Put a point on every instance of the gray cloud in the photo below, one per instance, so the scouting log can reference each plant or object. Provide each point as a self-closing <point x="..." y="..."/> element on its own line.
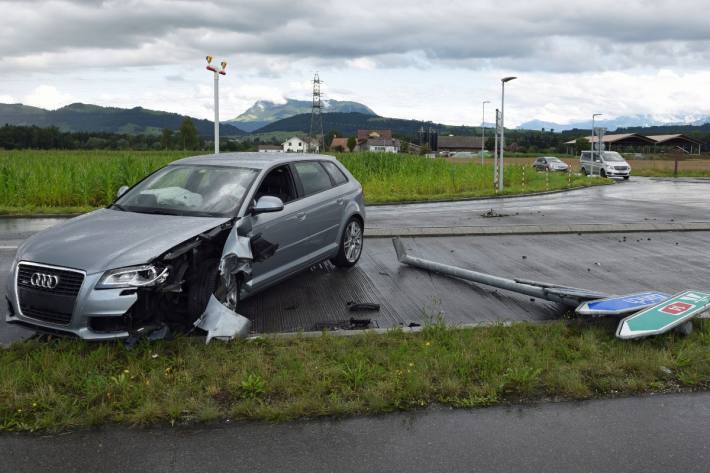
<point x="556" y="35"/>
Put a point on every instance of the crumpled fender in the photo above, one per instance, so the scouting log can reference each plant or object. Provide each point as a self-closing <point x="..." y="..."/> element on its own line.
<point x="218" y="320"/>
<point x="221" y="323"/>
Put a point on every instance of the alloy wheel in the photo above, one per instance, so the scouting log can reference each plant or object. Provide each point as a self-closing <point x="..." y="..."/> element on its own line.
<point x="353" y="241"/>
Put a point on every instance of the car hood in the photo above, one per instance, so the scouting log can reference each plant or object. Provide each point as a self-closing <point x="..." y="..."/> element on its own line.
<point x="108" y="239"/>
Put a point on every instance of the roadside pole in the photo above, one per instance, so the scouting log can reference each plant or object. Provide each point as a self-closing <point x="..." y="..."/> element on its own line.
<point x="591" y="164"/>
<point x="483" y="130"/>
<point x="501" y="165"/>
<point x="495" y="153"/>
<point x="217" y="73"/>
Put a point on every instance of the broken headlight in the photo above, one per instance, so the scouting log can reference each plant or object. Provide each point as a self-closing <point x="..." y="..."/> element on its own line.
<point x="133" y="276"/>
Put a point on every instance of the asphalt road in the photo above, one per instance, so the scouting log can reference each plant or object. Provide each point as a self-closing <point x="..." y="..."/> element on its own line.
<point x="669" y="261"/>
<point x="651" y="434"/>
<point x="633" y="201"/>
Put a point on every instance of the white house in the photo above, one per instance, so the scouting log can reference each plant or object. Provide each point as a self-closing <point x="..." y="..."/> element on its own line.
<point x="381" y="145"/>
<point x="297" y="145"/>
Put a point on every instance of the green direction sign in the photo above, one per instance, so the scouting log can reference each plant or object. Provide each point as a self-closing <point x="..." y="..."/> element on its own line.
<point x="664" y="316"/>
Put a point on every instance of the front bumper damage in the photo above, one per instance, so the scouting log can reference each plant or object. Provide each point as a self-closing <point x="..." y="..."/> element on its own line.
<point x="220" y="258"/>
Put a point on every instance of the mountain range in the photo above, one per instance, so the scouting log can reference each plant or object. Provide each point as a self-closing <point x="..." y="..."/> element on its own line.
<point x="291" y="116"/>
<point x="264" y="112"/>
<point x="86" y="117"/>
<point x="630" y="121"/>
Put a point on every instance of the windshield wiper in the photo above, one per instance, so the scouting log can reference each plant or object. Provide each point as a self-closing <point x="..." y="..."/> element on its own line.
<point x="118" y="207"/>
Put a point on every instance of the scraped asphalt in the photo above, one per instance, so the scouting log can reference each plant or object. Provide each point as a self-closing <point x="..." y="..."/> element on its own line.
<point x="614" y="263"/>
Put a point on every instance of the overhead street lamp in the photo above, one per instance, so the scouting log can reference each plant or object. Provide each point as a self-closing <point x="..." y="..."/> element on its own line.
<point x="217" y="73"/>
<point x="502" y="127"/>
<point x="594" y="116"/>
<point x="483" y="130"/>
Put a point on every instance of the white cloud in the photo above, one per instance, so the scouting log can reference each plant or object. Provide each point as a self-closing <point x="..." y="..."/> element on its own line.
<point x="429" y="62"/>
<point x="47" y="96"/>
<point x="7" y="98"/>
<point x="364" y="63"/>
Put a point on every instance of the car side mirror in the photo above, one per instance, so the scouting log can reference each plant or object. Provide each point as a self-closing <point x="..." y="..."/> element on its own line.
<point x="266" y="204"/>
<point x="121" y="190"/>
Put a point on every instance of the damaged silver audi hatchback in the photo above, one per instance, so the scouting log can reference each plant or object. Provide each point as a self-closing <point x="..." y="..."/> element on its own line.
<point x="186" y="244"/>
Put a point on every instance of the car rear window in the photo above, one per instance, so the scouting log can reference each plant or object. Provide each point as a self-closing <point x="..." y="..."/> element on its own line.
<point x="313" y="177"/>
<point x="335" y="173"/>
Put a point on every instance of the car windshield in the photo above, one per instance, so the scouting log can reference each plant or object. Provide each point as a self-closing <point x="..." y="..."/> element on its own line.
<point x="191" y="190"/>
<point x="612" y="156"/>
<point x="553" y="160"/>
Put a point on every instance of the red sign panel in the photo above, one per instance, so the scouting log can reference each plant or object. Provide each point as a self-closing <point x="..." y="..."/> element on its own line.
<point x="677" y="308"/>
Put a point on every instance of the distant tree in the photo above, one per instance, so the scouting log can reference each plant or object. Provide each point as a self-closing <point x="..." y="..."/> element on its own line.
<point x="188" y="134"/>
<point x="425" y="149"/>
<point x="352" y="142"/>
<point x="166" y="138"/>
<point x="404" y="147"/>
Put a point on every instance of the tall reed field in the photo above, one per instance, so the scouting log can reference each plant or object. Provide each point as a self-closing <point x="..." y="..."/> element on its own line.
<point x="72" y="180"/>
<point x="77" y="181"/>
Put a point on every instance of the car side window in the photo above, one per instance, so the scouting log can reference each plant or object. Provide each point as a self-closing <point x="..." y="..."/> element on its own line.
<point x="313" y="177"/>
<point x="278" y="183"/>
<point x="335" y="173"/>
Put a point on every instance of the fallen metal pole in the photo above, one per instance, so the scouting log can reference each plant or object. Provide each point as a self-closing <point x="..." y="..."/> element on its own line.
<point x="570" y="296"/>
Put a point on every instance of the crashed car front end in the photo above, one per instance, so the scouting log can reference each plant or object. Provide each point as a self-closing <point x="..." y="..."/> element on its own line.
<point x="121" y="302"/>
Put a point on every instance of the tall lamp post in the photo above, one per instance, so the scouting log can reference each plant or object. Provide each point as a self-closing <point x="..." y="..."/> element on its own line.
<point x="483" y="130"/>
<point x="217" y="73"/>
<point x="594" y="116"/>
<point x="502" y="128"/>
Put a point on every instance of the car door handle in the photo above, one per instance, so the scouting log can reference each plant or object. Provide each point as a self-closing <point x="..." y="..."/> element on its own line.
<point x="340" y="201"/>
<point x="301" y="216"/>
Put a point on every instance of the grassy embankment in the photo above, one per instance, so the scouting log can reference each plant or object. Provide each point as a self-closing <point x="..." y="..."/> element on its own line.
<point x="66" y="384"/>
<point x="78" y="181"/>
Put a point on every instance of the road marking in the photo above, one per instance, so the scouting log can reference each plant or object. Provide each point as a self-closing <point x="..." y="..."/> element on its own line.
<point x="8" y="247"/>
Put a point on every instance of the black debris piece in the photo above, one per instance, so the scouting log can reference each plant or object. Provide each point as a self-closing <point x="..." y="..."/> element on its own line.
<point x="363" y="306"/>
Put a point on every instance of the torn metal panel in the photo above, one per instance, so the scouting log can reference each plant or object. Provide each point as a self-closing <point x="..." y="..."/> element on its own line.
<point x="236" y="256"/>
<point x="221" y="323"/>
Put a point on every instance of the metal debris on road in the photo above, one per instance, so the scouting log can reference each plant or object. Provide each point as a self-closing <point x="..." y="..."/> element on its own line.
<point x="570" y="296"/>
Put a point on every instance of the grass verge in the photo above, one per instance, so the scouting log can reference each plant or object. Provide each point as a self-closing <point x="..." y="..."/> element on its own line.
<point x="65" y="384"/>
<point x="57" y="181"/>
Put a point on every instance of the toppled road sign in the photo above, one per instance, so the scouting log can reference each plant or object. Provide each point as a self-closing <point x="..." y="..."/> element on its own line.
<point x="619" y="305"/>
<point x="665" y="316"/>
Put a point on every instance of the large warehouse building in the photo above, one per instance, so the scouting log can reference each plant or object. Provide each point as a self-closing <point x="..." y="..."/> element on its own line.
<point x="645" y="144"/>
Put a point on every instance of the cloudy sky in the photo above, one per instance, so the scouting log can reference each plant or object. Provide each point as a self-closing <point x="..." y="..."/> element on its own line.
<point x="403" y="58"/>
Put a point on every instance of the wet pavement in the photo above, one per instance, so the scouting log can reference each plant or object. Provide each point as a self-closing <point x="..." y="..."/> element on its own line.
<point x="635" y="201"/>
<point x="647" y="434"/>
<point x="612" y="263"/>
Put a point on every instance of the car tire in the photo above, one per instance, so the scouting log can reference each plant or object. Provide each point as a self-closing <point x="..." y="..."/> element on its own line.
<point x="626" y="178"/>
<point x="348" y="255"/>
<point x="203" y="285"/>
<point x="602" y="173"/>
<point x="584" y="171"/>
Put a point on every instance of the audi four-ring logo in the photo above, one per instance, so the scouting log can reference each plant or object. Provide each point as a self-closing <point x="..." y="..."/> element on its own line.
<point x="46" y="281"/>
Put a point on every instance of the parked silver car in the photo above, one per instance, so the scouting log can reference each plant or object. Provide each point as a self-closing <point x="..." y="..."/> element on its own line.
<point x="550" y="163"/>
<point x="200" y="230"/>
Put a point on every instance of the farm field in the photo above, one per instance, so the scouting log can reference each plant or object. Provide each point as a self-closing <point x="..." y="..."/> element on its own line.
<point x="78" y="181"/>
